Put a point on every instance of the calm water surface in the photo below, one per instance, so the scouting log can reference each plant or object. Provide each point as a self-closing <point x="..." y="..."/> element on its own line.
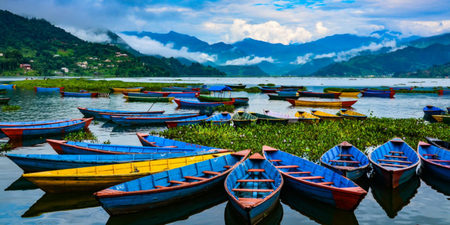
<point x="420" y="201"/>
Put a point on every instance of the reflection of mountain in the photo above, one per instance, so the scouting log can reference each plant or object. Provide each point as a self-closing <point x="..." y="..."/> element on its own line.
<point x="171" y="213"/>
<point x="434" y="182"/>
<point x="21" y="184"/>
<point x="232" y="217"/>
<point x="317" y="211"/>
<point x="393" y="200"/>
<point x="60" y="202"/>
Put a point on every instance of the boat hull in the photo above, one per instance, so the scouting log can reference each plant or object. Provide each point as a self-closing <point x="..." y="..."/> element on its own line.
<point x="148" y="99"/>
<point x="343" y="104"/>
<point x="129" y="121"/>
<point x="139" y="89"/>
<point x="347" y="94"/>
<point x="255" y="215"/>
<point x="319" y="95"/>
<point x="393" y="178"/>
<point x="46" y="89"/>
<point x="79" y="94"/>
<point x="191" y="104"/>
<point x="106" y="114"/>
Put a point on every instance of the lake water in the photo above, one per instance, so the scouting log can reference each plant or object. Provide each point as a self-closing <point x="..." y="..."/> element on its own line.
<point x="417" y="202"/>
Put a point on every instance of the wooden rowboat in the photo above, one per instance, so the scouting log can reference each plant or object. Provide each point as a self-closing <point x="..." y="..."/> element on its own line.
<point x="102" y="113"/>
<point x="154" y="141"/>
<point x="319" y="94"/>
<point x="83" y="148"/>
<point x="326" y="116"/>
<point x="347" y="94"/>
<point x="48" y="89"/>
<point x="95" y="178"/>
<point x="434" y="160"/>
<point x="438" y="143"/>
<point x="291" y="119"/>
<point x="168" y="187"/>
<point x="4" y="100"/>
<point x="176" y="94"/>
<point x="135" y="89"/>
<point x="242" y="118"/>
<point x="197" y="104"/>
<point x="379" y="94"/>
<point x="261" y="118"/>
<point x="149" y="119"/>
<point x="315" y="181"/>
<point x="254" y="187"/>
<point x="47" y="129"/>
<point x="281" y="97"/>
<point x="8" y="86"/>
<point x="218" y="119"/>
<point x="394" y="162"/>
<point x="350" y="114"/>
<point x="307" y="117"/>
<point x="148" y="99"/>
<point x="79" y="94"/>
<point x="346" y="160"/>
<point x="236" y="86"/>
<point x="341" y="104"/>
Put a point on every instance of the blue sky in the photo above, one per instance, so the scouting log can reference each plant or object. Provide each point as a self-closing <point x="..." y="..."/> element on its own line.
<point x="285" y="21"/>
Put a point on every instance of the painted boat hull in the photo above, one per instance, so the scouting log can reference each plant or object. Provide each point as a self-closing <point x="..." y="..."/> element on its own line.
<point x="347" y="94"/>
<point x="148" y="99"/>
<point x="191" y="104"/>
<point x="428" y="154"/>
<point x="104" y="113"/>
<point x="153" y="141"/>
<point x="319" y="95"/>
<point x="78" y="94"/>
<point x="7" y="86"/>
<point x="342" y="104"/>
<point x="46" y="89"/>
<point x="138" y="89"/>
<point x="378" y="94"/>
<point x="129" y="121"/>
<point x="254" y="215"/>
<point x="278" y="97"/>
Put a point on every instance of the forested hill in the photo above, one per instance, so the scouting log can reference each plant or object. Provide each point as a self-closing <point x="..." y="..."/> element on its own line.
<point x="50" y="50"/>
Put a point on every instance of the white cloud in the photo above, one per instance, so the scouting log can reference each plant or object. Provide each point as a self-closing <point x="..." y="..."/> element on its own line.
<point x="303" y="59"/>
<point x="147" y="46"/>
<point x="88" y="35"/>
<point x="164" y="9"/>
<point x="423" y="28"/>
<point x="320" y="29"/>
<point x="327" y="55"/>
<point x="248" y="60"/>
<point x="346" y="55"/>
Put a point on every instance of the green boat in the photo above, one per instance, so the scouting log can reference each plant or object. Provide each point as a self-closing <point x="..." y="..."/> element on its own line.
<point x="268" y="119"/>
<point x="281" y="97"/>
<point x="237" y="100"/>
<point x="4" y="100"/>
<point x="242" y="118"/>
<point x="148" y="99"/>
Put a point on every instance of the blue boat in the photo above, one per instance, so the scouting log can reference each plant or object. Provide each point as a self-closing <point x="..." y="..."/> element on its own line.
<point x="8" y="86"/>
<point x="146" y="120"/>
<point x="84" y="148"/>
<point x="182" y="89"/>
<point x="48" y="89"/>
<point x="154" y="141"/>
<point x="198" y="104"/>
<point x="79" y="94"/>
<point x="30" y="123"/>
<point x="142" y="94"/>
<point x="435" y="160"/>
<point x="168" y="187"/>
<point x="432" y="110"/>
<point x="241" y="101"/>
<point x="315" y="181"/>
<point x="106" y="113"/>
<point x="346" y="160"/>
<point x="47" y="129"/>
<point x="175" y="94"/>
<point x="218" y="119"/>
<point x="254" y="187"/>
<point x="379" y="94"/>
<point x="394" y="162"/>
<point x="39" y="162"/>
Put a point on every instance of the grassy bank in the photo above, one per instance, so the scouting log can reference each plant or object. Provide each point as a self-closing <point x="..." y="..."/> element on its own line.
<point x="310" y="140"/>
<point x="76" y="84"/>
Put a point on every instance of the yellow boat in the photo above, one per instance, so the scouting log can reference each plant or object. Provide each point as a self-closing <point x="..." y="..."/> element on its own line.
<point x="346" y="94"/>
<point x="342" y="104"/>
<point x="96" y="178"/>
<point x="305" y="116"/>
<point x="349" y="114"/>
<point x="326" y="116"/>
<point x="439" y="118"/>
<point x="137" y="89"/>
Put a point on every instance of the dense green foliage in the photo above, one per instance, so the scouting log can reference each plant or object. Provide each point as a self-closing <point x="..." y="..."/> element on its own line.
<point x="7" y="108"/>
<point x="242" y="70"/>
<point x="93" y="85"/>
<point x="434" y="71"/>
<point x="48" y="49"/>
<point x="310" y="140"/>
<point x="81" y="136"/>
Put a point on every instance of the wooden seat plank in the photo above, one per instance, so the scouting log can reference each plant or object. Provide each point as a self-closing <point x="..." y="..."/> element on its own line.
<point x="396" y="152"/>
<point x="210" y="172"/>
<point x="345" y="155"/>
<point x="397" y="161"/>
<point x="255" y="180"/>
<point x="396" y="156"/>
<point x="287" y="167"/>
<point x="195" y="178"/>
<point x="227" y="166"/>
<point x="311" y="178"/>
<point x="344" y="161"/>
<point x="275" y="160"/>
<point x="250" y="200"/>
<point x="256" y="170"/>
<point x="393" y="165"/>
<point x="251" y="190"/>
<point x="298" y="172"/>
<point x="326" y="183"/>
<point x="177" y="182"/>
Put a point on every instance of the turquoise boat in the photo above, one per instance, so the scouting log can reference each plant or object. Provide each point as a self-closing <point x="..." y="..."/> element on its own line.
<point x="154" y="141"/>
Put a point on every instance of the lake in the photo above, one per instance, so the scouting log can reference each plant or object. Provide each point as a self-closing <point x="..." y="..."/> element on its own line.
<point x="420" y="201"/>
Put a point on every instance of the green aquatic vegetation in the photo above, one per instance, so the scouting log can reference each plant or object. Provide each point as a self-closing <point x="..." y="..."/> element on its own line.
<point x="81" y="136"/>
<point x="6" y="147"/>
<point x="9" y="108"/>
<point x="310" y="140"/>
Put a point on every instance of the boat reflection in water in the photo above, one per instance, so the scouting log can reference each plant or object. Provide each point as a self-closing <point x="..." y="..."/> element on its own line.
<point x="232" y="217"/>
<point x="434" y="182"/>
<point x="21" y="184"/>
<point x="61" y="202"/>
<point x="315" y="210"/>
<point x="178" y="211"/>
<point x="393" y="200"/>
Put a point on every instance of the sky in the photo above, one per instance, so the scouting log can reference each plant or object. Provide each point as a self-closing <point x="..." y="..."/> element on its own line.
<point x="285" y="21"/>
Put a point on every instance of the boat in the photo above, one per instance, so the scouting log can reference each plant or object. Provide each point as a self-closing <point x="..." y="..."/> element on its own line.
<point x="4" y="100"/>
<point x="8" y="86"/>
<point x="254" y="188"/>
<point x="48" y="89"/>
<point x="292" y="87"/>
<point x="154" y="141"/>
<point x="380" y="94"/>
<point x="28" y="123"/>
<point x="346" y="160"/>
<point x="281" y="97"/>
<point x="219" y="119"/>
<point x="79" y="94"/>
<point x="269" y="89"/>
<point x="132" y="89"/>
<point x="84" y="148"/>
<point x="432" y="110"/>
<point x="341" y="104"/>
<point x="326" y="116"/>
<point x="434" y="182"/>
<point x="236" y="86"/>
<point x="153" y="119"/>
<point x="242" y="118"/>
<point x="148" y="99"/>
<point x="315" y="181"/>
<point x="261" y="118"/>
<point x="187" y="121"/>
<point x="318" y="94"/>
<point x="44" y="162"/>
<point x="233" y="217"/>
<point x="353" y="94"/>
<point x="350" y="114"/>
<point x="241" y="101"/>
<point x="306" y="117"/>
<point x="438" y="143"/>
<point x="439" y="118"/>
<point x="198" y="104"/>
<point x="176" y="94"/>
<point x="180" y="89"/>
<point x="47" y="129"/>
<point x="394" y="162"/>
<point x="168" y="187"/>
<point x="95" y="178"/>
<point x="139" y="94"/>
<point x="237" y="100"/>
<point x="103" y="113"/>
<point x="443" y="92"/>
<point x="290" y="119"/>
<point x="434" y="160"/>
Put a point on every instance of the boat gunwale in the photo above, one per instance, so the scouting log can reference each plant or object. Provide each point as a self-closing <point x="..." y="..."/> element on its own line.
<point x="83" y="120"/>
<point x="421" y="143"/>
<point x="393" y="170"/>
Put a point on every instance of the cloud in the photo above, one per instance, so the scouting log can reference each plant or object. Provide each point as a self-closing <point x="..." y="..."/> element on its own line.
<point x="88" y="35"/>
<point x="147" y="46"/>
<point x="320" y="29"/>
<point x="328" y="55"/>
<point x="248" y="61"/>
<point x="303" y="59"/>
<point x="346" y="55"/>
